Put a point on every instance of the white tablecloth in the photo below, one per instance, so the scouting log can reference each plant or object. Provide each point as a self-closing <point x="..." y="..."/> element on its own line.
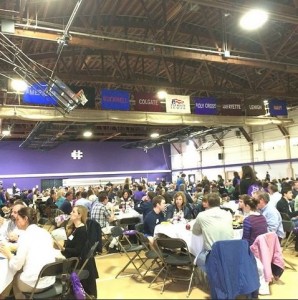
<point x="6" y="274"/>
<point x="131" y="213"/>
<point x="194" y="242"/>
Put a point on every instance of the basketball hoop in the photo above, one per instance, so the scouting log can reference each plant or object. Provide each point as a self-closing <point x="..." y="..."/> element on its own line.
<point x="81" y="98"/>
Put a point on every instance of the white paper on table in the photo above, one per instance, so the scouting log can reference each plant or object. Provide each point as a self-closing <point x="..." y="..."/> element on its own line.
<point x="59" y="234"/>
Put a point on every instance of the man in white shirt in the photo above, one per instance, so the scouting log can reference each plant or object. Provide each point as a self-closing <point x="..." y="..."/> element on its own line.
<point x="274" y="194"/>
<point x="215" y="224"/>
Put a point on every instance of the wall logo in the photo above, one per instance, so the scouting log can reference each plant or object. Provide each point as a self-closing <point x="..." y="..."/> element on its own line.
<point x="76" y="154"/>
<point x="178" y="104"/>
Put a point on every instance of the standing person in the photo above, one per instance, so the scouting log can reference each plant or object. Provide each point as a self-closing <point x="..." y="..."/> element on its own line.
<point x="155" y="216"/>
<point x="236" y="179"/>
<point x="215" y="224"/>
<point x="35" y="250"/>
<point x="248" y="180"/>
<point x="255" y="223"/>
<point x="180" y="180"/>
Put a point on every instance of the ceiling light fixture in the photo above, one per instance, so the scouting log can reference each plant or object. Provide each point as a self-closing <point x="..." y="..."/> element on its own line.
<point x="154" y="135"/>
<point x="253" y="19"/>
<point x="6" y="132"/>
<point x="87" y="133"/>
<point x="162" y="94"/>
<point x="19" y="85"/>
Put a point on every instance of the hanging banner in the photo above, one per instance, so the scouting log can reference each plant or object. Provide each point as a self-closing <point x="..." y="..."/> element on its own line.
<point x="35" y="94"/>
<point x="205" y="106"/>
<point x="178" y="104"/>
<point x="231" y="107"/>
<point x="254" y="108"/>
<point x="115" y="100"/>
<point x="147" y="102"/>
<point x="277" y="107"/>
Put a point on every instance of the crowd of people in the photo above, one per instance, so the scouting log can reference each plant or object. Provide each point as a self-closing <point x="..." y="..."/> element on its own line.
<point x="262" y="205"/>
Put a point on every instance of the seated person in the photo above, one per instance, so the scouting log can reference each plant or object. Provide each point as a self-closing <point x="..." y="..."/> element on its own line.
<point x="145" y="206"/>
<point x="154" y="217"/>
<point x="286" y="210"/>
<point x="9" y="229"/>
<point x="179" y="207"/>
<point x="76" y="232"/>
<point x="255" y="223"/>
<point x="78" y="245"/>
<point x="215" y="224"/>
<point x="35" y="250"/>
<point x="103" y="217"/>
<point x="240" y="213"/>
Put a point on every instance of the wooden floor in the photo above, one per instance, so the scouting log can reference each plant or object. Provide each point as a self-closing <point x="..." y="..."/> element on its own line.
<point x="132" y="287"/>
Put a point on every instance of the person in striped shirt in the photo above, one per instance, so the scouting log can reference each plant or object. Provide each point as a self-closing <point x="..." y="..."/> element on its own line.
<point x="255" y="223"/>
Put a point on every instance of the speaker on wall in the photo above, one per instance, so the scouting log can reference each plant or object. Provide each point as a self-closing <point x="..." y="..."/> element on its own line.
<point x="220" y="156"/>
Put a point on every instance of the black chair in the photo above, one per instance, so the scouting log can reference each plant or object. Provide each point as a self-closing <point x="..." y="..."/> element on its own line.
<point x="150" y="253"/>
<point x="139" y="227"/>
<point x="288" y="227"/>
<point x="62" y="270"/>
<point x="88" y="272"/>
<point x="126" y="222"/>
<point x="125" y="246"/>
<point x="175" y="258"/>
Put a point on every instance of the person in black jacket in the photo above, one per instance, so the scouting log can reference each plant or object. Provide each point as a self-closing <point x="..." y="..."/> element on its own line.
<point x="286" y="211"/>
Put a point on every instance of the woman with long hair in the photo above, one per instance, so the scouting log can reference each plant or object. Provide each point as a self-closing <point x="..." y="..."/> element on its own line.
<point x="35" y="250"/>
<point x="76" y="232"/>
<point x="248" y="179"/>
<point x="179" y="207"/>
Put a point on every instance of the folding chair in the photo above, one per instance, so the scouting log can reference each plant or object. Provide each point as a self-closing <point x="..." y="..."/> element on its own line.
<point x="174" y="254"/>
<point x="119" y="233"/>
<point x="139" y="227"/>
<point x="62" y="270"/>
<point x="288" y="227"/>
<point x="85" y="271"/>
<point x="150" y="253"/>
<point x="125" y="222"/>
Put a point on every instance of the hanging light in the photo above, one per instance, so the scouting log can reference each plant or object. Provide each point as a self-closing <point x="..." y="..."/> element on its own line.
<point x="253" y="19"/>
<point x="6" y="132"/>
<point x="19" y="85"/>
<point x="154" y="135"/>
<point x="87" y="133"/>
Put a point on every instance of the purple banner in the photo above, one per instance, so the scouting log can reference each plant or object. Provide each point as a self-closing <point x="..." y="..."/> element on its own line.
<point x="115" y="99"/>
<point x="278" y="107"/>
<point x="205" y="106"/>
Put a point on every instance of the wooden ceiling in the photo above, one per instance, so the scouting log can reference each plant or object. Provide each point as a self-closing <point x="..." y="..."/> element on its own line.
<point x="185" y="47"/>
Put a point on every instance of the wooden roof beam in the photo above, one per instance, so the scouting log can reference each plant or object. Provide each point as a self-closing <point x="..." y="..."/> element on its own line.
<point x="107" y="43"/>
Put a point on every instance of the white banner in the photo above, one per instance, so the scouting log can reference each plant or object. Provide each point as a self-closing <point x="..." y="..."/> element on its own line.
<point x="178" y="104"/>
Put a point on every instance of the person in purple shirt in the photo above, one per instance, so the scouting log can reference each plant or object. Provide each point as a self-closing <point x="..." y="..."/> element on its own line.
<point x="255" y="223"/>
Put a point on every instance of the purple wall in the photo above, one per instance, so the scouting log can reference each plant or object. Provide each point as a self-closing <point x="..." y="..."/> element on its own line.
<point x="97" y="157"/>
